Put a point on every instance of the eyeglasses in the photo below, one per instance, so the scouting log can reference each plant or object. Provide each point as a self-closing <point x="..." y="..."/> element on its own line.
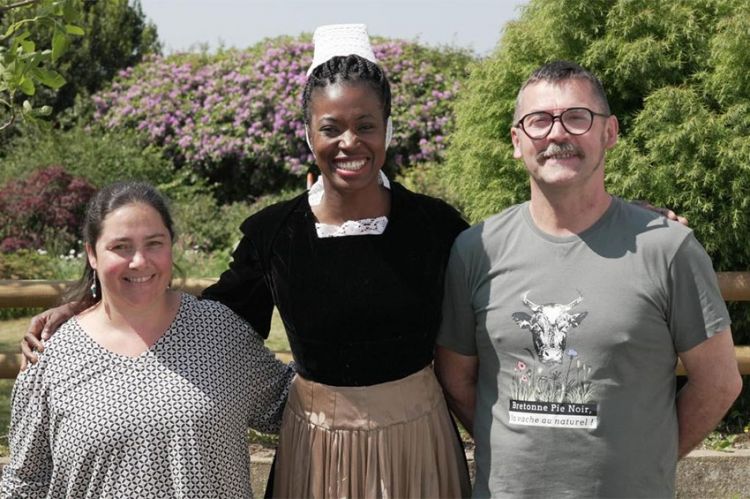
<point x="575" y="121"/>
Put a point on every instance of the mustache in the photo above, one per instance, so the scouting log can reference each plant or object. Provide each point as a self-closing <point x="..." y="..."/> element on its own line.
<point x="561" y="148"/>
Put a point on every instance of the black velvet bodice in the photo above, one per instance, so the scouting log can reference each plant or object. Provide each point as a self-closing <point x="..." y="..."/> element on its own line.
<point x="358" y="310"/>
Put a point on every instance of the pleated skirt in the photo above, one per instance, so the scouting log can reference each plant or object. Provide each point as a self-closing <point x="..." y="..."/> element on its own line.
<point x="389" y="440"/>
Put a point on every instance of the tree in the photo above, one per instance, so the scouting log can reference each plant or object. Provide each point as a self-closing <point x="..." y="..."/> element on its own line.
<point x="118" y="36"/>
<point x="23" y="65"/>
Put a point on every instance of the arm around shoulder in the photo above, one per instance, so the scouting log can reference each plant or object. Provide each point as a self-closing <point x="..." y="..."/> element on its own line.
<point x="714" y="382"/>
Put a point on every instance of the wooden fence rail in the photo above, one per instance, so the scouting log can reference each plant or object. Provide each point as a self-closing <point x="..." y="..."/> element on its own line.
<point x="735" y="286"/>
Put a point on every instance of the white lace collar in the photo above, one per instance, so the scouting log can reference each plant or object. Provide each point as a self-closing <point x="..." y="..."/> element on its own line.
<point x="371" y="226"/>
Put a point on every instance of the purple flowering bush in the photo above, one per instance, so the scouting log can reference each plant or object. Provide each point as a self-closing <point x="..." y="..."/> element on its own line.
<point x="235" y="118"/>
<point x="43" y="209"/>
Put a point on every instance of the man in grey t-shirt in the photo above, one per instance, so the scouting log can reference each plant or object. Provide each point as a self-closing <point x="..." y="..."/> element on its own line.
<point x="564" y="318"/>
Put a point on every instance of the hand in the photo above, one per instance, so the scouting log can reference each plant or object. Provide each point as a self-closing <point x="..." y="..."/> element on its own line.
<point x="665" y="212"/>
<point x="42" y="327"/>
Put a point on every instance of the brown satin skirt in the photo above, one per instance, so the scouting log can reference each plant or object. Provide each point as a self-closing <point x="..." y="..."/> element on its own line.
<point x="389" y="440"/>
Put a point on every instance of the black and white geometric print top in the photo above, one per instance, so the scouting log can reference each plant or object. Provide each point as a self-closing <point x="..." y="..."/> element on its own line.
<point x="172" y="422"/>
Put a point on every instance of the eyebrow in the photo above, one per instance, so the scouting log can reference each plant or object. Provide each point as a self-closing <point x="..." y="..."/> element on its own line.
<point x="158" y="235"/>
<point x="360" y="117"/>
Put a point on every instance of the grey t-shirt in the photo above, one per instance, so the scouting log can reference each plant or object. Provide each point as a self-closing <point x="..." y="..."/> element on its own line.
<point x="577" y="339"/>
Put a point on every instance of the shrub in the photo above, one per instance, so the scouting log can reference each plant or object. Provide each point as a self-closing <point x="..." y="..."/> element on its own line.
<point x="200" y="224"/>
<point x="27" y="264"/>
<point x="204" y="225"/>
<point x="236" y="119"/>
<point x="45" y="208"/>
<point x="31" y="264"/>
<point x="99" y="157"/>
<point x="429" y="179"/>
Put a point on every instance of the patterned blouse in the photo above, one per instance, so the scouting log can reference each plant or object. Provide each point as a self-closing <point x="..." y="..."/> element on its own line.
<point x="172" y="422"/>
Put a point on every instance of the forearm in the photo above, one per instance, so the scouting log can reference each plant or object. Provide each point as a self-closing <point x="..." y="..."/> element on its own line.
<point x="714" y="383"/>
<point x="461" y="402"/>
<point x="458" y="376"/>
<point x="699" y="409"/>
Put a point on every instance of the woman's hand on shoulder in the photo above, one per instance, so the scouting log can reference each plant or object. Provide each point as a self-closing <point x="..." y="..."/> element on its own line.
<point x="665" y="212"/>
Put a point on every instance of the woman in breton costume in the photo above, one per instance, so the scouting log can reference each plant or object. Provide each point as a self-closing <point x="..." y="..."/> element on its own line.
<point x="355" y="267"/>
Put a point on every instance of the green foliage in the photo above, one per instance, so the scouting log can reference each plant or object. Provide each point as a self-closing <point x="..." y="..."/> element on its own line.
<point x="34" y="37"/>
<point x="117" y="36"/>
<point x="100" y="157"/>
<point x="26" y="264"/>
<point x="205" y="226"/>
<point x="428" y="179"/>
<point x="636" y="47"/>
<point x="6" y="388"/>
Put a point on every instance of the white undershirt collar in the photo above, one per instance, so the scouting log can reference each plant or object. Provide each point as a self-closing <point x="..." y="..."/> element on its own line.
<point x="365" y="226"/>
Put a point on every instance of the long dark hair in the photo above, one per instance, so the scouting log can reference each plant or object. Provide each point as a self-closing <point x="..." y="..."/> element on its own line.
<point x="107" y="200"/>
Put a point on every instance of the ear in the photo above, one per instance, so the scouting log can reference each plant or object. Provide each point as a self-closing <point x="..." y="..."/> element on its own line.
<point x="90" y="255"/>
<point x="576" y="319"/>
<point x="611" y="132"/>
<point x="515" y="138"/>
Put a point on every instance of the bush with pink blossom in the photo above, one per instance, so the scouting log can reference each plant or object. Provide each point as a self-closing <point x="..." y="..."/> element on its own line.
<point x="43" y="211"/>
<point x="235" y="118"/>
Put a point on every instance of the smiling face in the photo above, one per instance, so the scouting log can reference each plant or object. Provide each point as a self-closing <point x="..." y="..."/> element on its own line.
<point x="133" y="257"/>
<point x="562" y="160"/>
<point x="347" y="133"/>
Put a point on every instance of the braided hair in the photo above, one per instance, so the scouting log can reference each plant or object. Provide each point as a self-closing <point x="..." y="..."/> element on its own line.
<point x="352" y="69"/>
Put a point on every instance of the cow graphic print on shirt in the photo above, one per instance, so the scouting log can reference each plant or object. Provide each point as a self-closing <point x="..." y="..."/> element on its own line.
<point x="553" y="387"/>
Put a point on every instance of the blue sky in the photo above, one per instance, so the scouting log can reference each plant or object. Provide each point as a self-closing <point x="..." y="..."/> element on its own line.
<point x="472" y="24"/>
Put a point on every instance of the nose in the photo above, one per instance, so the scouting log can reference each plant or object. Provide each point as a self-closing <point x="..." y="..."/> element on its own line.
<point x="557" y="129"/>
<point x="348" y="139"/>
<point x="137" y="260"/>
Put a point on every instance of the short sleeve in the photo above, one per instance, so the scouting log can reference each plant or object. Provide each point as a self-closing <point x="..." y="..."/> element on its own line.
<point x="696" y="310"/>
<point x="29" y="471"/>
<point x="270" y="387"/>
<point x="458" y="327"/>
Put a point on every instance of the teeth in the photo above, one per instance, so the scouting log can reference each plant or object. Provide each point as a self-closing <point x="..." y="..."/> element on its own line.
<point x="139" y="279"/>
<point x="350" y="165"/>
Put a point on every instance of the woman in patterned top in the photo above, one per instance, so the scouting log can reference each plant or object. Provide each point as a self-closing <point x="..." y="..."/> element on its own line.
<point x="148" y="392"/>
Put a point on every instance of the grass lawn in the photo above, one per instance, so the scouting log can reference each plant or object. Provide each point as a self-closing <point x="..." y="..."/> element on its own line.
<point x="12" y="331"/>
